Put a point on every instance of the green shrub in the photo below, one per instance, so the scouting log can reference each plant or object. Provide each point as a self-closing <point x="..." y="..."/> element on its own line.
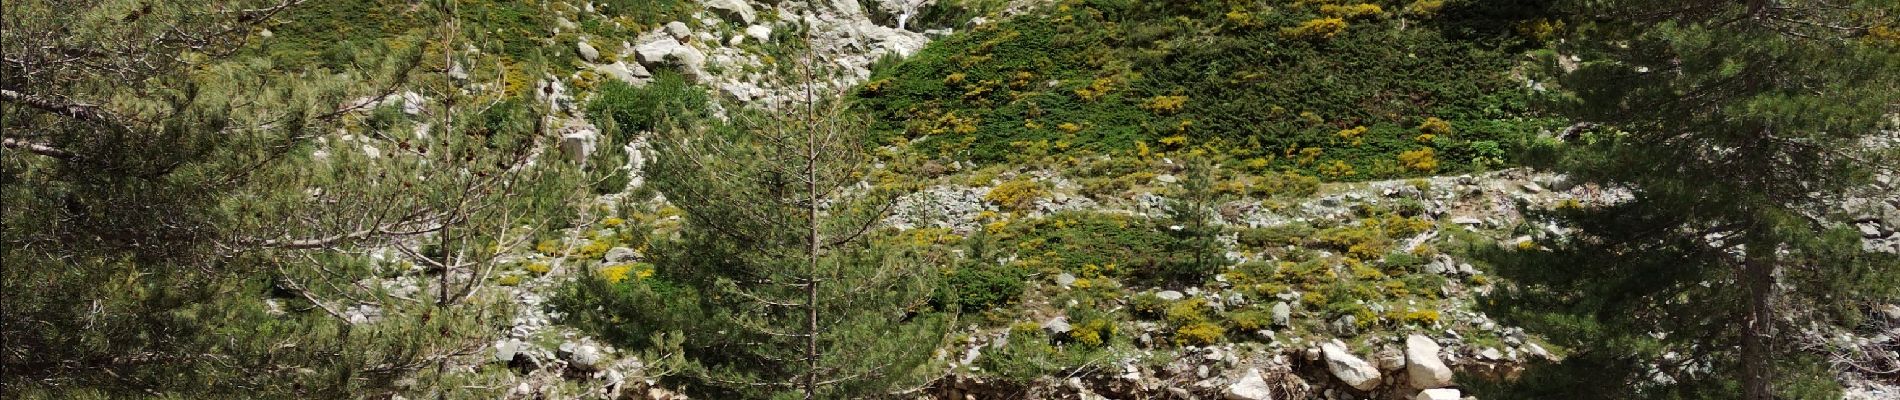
<point x="1251" y="319"/>
<point x="623" y="110"/>
<point x="981" y="286"/>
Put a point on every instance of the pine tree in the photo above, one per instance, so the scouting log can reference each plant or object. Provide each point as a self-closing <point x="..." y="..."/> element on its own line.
<point x="776" y="280"/>
<point x="1737" y="126"/>
<point x="1198" y="254"/>
<point x="183" y="217"/>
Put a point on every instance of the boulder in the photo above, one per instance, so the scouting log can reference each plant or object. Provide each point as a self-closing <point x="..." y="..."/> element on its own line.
<point x="760" y="33"/>
<point x="1057" y="325"/>
<point x="587" y="51"/>
<point x="578" y="144"/>
<point x="1390" y="359"/>
<point x="585" y="358"/>
<point x="620" y="254"/>
<point x="1422" y="365"/>
<point x="505" y="349"/>
<point x="1282" y="314"/>
<point x="1439" y="394"/>
<point x="658" y="52"/>
<point x="679" y="31"/>
<point x="1250" y="387"/>
<point x="735" y="11"/>
<point x="1349" y="368"/>
<point x="631" y="74"/>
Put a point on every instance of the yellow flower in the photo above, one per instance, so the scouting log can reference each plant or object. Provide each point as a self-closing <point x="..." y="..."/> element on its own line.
<point x="615" y="273"/>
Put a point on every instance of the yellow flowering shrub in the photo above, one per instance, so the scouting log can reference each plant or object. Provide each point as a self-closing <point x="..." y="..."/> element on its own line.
<point x="1319" y="28"/>
<point x="1434" y="126"/>
<point x="1018" y="195"/>
<point x="1165" y="104"/>
<point x="549" y="247"/>
<point x="615" y="273"/>
<point x="1093" y="333"/>
<point x="1355" y="135"/>
<point x="593" y="250"/>
<point x="1422" y="160"/>
<point x="1096" y="89"/>
<point x="1884" y="33"/>
<point x="1337" y="170"/>
<point x="1189" y="311"/>
<point x="1309" y="155"/>
<point x="538" y="268"/>
<point x="1425" y="8"/>
<point x="620" y="272"/>
<point x="508" y="280"/>
<point x="1422" y="317"/>
<point x="1352" y="11"/>
<point x="1198" y="334"/>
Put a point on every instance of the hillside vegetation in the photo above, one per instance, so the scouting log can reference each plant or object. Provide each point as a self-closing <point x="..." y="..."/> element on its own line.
<point x="1350" y="91"/>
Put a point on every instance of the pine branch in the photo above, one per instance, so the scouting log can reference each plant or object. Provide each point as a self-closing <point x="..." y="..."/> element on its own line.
<point x="38" y="148"/>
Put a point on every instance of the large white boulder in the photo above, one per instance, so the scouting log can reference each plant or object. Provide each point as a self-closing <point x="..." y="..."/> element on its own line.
<point x="657" y="51"/>
<point x="1349" y="368"/>
<point x="1422" y="365"/>
<point x="1250" y="387"/>
<point x="760" y="33"/>
<point x="736" y="11"/>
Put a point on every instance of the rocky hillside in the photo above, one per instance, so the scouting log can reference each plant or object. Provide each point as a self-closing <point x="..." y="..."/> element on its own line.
<point x="1329" y="286"/>
<point x="1177" y="200"/>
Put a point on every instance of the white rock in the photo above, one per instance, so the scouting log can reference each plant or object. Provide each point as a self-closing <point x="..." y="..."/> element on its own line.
<point x="578" y="144"/>
<point x="1491" y="353"/>
<point x="657" y="52"/>
<point x="620" y="254"/>
<point x="1169" y="295"/>
<point x="632" y="74"/>
<point x="1250" y="387"/>
<point x="585" y="358"/>
<point x="505" y="349"/>
<point x="760" y="33"/>
<point x="1422" y="364"/>
<point x="1439" y="394"/>
<point x="733" y="10"/>
<point x="1065" y="279"/>
<point x="679" y="31"/>
<point x="1390" y="359"/>
<point x="1057" y="325"/>
<point x="1349" y="368"/>
<point x="587" y="51"/>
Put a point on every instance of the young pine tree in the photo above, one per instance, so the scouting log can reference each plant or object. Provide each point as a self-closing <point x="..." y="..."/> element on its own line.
<point x="775" y="280"/>
<point x="1738" y="125"/>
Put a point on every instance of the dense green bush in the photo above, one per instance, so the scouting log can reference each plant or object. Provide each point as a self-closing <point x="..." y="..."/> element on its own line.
<point x="1112" y="76"/>
<point x="623" y="110"/>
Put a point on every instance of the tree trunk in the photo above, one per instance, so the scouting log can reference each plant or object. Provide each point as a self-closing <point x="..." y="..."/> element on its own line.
<point x="1758" y="329"/>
